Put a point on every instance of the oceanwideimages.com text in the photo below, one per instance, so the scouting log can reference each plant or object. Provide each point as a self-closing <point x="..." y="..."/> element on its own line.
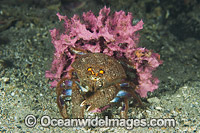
<point x="46" y="121"/>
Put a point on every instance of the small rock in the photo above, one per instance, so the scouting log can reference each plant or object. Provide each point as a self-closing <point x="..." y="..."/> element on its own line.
<point x="158" y="108"/>
<point x="5" y="79"/>
<point x="13" y="93"/>
<point x="153" y="100"/>
<point x="148" y="112"/>
<point x="104" y="129"/>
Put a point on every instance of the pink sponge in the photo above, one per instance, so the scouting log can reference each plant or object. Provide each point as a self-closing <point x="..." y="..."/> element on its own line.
<point x="108" y="34"/>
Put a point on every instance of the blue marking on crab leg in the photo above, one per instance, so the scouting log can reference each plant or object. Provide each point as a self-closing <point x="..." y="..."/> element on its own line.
<point x="122" y="93"/>
<point x="123" y="84"/>
<point x="68" y="82"/>
<point x="81" y="87"/>
<point x="115" y="100"/>
<point x="67" y="92"/>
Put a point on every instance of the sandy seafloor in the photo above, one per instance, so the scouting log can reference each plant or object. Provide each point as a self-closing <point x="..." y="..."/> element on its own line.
<point x="171" y="28"/>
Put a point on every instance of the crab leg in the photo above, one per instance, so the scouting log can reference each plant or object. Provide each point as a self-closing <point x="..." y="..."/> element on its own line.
<point x="78" y="51"/>
<point x="60" y="102"/>
<point x="135" y="96"/>
<point x="124" y="94"/>
<point x="130" y="91"/>
<point x="124" y="111"/>
<point x="76" y="99"/>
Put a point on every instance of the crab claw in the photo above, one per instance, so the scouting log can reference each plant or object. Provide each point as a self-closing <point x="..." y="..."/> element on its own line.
<point x="90" y="108"/>
<point x="83" y="103"/>
<point x="93" y="108"/>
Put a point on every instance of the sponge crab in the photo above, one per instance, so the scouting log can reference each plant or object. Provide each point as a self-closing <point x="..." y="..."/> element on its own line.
<point x="94" y="60"/>
<point x="98" y="81"/>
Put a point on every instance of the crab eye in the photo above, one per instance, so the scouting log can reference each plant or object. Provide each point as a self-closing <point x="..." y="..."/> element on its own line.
<point x="90" y="70"/>
<point x="101" y="72"/>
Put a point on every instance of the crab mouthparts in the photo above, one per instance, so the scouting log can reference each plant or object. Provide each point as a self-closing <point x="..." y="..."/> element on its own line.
<point x="96" y="85"/>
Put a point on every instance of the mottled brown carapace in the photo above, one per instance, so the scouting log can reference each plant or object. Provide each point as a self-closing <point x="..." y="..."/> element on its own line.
<point x="98" y="81"/>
